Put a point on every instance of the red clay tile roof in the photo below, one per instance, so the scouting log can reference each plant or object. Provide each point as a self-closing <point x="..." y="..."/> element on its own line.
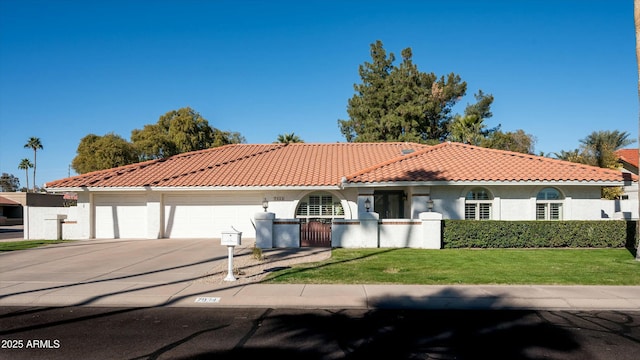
<point x="305" y="164"/>
<point x="455" y="162"/>
<point x="629" y="156"/>
<point x="245" y="165"/>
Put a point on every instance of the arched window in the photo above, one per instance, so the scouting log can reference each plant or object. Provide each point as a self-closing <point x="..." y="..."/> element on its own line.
<point x="319" y="206"/>
<point x="549" y="204"/>
<point x="477" y="204"/>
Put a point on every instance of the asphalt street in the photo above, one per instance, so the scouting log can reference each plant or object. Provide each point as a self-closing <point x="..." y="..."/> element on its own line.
<point x="203" y="333"/>
<point x="124" y="299"/>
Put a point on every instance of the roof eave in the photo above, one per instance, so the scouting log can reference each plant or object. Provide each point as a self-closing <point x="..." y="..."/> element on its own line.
<point x="483" y="183"/>
<point x="191" y="188"/>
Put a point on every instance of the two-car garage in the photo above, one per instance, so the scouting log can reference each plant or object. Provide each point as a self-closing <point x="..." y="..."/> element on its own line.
<point x="173" y="216"/>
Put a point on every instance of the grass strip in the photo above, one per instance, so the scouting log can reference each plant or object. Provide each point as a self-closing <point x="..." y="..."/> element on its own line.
<point x="27" y="244"/>
<point x="468" y="266"/>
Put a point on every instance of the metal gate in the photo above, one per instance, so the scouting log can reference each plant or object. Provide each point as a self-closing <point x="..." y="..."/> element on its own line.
<point x="315" y="234"/>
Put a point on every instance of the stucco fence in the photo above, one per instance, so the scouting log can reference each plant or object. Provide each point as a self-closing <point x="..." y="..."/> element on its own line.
<point x="366" y="232"/>
<point x="51" y="223"/>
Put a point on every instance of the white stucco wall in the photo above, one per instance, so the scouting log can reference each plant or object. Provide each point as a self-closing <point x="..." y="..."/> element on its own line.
<point x="352" y="233"/>
<point x="48" y="223"/>
<point x="286" y="233"/>
<point x="400" y="233"/>
<point x="160" y="213"/>
<point x="184" y="214"/>
<point x="519" y="202"/>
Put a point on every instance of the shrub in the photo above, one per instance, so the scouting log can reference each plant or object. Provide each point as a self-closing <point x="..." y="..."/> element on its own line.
<point x="539" y="234"/>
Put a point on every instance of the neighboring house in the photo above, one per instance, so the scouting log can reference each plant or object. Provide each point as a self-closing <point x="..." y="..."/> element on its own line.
<point x="628" y="158"/>
<point x="10" y="212"/>
<point x="12" y="205"/>
<point x="203" y="193"/>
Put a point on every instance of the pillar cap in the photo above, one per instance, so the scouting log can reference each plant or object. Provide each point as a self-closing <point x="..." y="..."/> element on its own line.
<point x="430" y="216"/>
<point x="265" y="216"/>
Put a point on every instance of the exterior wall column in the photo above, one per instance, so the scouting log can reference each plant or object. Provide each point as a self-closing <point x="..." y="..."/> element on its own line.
<point x="85" y="218"/>
<point x="362" y="198"/>
<point x="419" y="203"/>
<point x="264" y="229"/>
<point x="567" y="211"/>
<point x="155" y="218"/>
<point x="431" y="230"/>
<point x="53" y="226"/>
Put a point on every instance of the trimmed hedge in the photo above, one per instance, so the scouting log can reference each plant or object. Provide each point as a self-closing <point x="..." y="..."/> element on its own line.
<point x="539" y="234"/>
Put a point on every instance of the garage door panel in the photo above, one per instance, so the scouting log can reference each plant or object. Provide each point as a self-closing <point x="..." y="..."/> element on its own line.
<point x="188" y="216"/>
<point x="121" y="217"/>
<point x="207" y="216"/>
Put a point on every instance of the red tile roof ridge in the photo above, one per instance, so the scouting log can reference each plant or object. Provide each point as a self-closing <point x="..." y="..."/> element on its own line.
<point x="397" y="159"/>
<point x="119" y="169"/>
<point x="270" y="147"/>
<point x="442" y="145"/>
<point x="541" y="158"/>
<point x="111" y="172"/>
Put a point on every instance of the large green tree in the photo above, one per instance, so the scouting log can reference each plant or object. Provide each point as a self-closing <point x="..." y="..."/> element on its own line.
<point x="176" y="132"/>
<point x="400" y="103"/>
<point x="470" y="127"/>
<point x="9" y="183"/>
<point x="517" y="141"/>
<point x="103" y="152"/>
<point x="179" y="131"/>
<point x="35" y="144"/>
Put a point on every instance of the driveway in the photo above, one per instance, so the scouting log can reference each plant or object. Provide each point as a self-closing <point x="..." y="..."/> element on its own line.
<point x="94" y="271"/>
<point x="191" y="272"/>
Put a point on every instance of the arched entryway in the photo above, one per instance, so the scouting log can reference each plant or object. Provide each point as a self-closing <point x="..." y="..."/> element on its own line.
<point x="316" y="211"/>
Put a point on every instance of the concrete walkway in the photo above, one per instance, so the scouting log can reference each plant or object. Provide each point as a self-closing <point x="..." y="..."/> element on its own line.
<point x="179" y="273"/>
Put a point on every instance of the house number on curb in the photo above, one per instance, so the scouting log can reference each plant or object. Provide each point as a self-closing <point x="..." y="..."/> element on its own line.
<point x="208" y="300"/>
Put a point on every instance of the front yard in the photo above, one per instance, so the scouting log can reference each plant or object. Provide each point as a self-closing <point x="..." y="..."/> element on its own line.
<point x="468" y="266"/>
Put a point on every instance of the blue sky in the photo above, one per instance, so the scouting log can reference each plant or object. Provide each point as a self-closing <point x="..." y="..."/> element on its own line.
<point x="559" y="70"/>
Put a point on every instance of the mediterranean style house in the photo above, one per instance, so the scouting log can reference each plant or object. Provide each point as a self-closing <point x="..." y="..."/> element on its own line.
<point x="203" y="193"/>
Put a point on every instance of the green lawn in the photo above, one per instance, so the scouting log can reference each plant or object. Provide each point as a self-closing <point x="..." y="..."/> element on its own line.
<point x="468" y="266"/>
<point x="21" y="245"/>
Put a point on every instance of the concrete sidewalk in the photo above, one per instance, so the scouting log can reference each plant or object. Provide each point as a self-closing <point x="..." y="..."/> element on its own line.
<point x="145" y="273"/>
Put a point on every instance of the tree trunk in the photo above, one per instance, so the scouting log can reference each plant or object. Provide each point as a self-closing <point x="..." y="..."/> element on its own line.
<point x="636" y="18"/>
<point x="34" y="170"/>
<point x="26" y="174"/>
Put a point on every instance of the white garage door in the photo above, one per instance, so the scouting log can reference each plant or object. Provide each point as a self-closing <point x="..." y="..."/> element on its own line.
<point x="121" y="217"/>
<point x="207" y="216"/>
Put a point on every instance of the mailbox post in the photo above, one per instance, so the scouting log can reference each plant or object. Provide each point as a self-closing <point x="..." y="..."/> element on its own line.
<point x="230" y="239"/>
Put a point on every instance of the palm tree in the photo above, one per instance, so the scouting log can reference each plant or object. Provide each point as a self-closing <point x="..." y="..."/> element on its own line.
<point x="468" y="129"/>
<point x="571" y="155"/>
<point x="25" y="165"/>
<point x="35" y="144"/>
<point x="601" y="146"/>
<point x="287" y="138"/>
